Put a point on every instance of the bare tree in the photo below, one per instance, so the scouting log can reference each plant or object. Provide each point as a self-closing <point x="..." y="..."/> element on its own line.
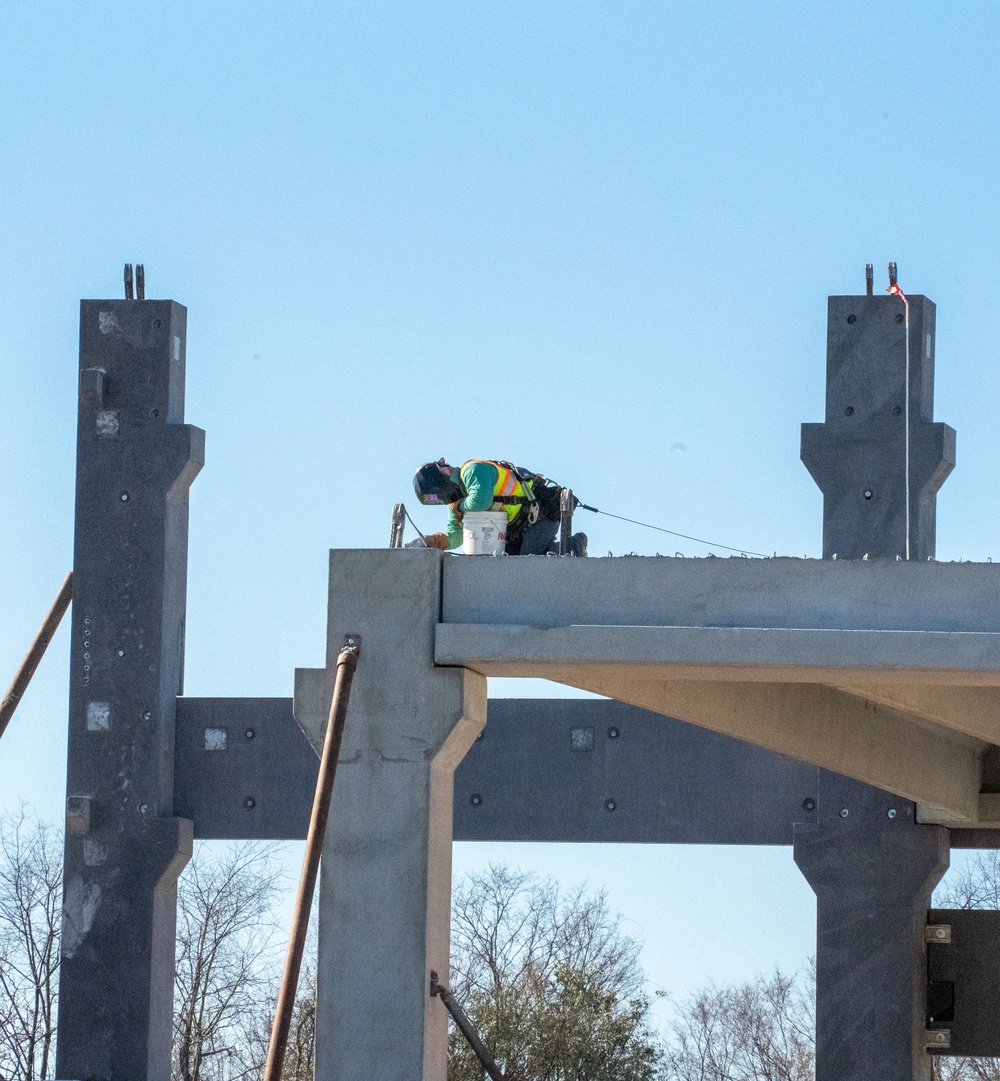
<point x="761" y="1030"/>
<point x="551" y="981"/>
<point x="226" y="962"/>
<point x="30" y="901"/>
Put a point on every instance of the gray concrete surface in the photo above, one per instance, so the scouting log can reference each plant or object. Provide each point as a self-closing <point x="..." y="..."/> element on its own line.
<point x="858" y="455"/>
<point x="135" y="462"/>
<point x="385" y="887"/>
<point x="872" y="870"/>
<point x="887" y="672"/>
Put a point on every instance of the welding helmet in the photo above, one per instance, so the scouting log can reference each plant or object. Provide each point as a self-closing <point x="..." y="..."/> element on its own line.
<point x="435" y="487"/>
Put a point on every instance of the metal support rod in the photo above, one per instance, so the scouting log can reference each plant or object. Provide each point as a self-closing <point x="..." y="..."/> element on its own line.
<point x="566" y="505"/>
<point x="467" y="1028"/>
<point x="398" y="525"/>
<point x="128" y="282"/>
<point x="892" y="275"/>
<point x="347" y="662"/>
<point x="869" y="280"/>
<point x="36" y="652"/>
<point x="140" y="282"/>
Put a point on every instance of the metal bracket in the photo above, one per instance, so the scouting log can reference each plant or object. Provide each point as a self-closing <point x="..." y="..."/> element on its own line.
<point x="937" y="1038"/>
<point x="398" y="525"/>
<point x="938" y="933"/>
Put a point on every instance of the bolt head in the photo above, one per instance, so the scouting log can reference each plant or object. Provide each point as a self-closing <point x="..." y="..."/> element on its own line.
<point x="613" y="732"/>
<point x="476" y="799"/>
<point x="844" y="812"/>
<point x="249" y="803"/>
<point x="891" y="813"/>
<point x="610" y="805"/>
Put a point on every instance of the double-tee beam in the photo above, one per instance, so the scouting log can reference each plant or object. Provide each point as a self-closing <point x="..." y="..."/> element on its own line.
<point x="885" y="672"/>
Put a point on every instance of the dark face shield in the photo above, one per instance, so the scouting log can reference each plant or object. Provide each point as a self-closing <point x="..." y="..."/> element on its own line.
<point x="434" y="487"/>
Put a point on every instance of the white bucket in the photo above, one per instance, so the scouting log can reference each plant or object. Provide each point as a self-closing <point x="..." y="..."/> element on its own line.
<point x="484" y="533"/>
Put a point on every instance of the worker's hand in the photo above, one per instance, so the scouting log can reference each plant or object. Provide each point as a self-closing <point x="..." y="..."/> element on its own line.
<point x="437" y="540"/>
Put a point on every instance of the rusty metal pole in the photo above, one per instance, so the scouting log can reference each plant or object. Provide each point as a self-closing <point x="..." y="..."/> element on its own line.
<point x="36" y="652"/>
<point x="468" y="1030"/>
<point x="347" y="662"/>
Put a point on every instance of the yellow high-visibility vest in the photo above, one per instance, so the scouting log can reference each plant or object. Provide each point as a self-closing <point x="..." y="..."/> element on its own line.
<point x="508" y="483"/>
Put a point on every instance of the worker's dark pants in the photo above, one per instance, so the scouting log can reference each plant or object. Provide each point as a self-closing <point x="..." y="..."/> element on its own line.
<point x="540" y="539"/>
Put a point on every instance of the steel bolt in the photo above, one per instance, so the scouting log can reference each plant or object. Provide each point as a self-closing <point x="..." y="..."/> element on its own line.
<point x="476" y="799"/>
<point x="147" y="715"/>
<point x="610" y="805"/>
<point x="249" y="733"/>
<point x="143" y="808"/>
<point x="124" y="497"/>
<point x="868" y="493"/>
<point x="613" y="733"/>
<point x="891" y="813"/>
<point x="809" y="804"/>
<point x="249" y="803"/>
<point x="844" y="812"/>
<point x="120" y="652"/>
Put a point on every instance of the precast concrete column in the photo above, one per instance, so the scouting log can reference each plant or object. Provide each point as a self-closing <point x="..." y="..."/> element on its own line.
<point x="879" y="431"/>
<point x="872" y="869"/>
<point x="385" y="882"/>
<point x="124" y="849"/>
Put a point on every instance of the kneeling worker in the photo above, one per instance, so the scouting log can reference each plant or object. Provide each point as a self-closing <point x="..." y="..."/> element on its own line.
<point x="530" y="502"/>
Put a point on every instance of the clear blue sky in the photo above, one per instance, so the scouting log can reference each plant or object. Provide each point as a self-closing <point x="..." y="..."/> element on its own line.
<point x="593" y="238"/>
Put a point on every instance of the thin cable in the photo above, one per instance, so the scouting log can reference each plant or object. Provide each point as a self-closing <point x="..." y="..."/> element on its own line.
<point x="413" y="523"/>
<point x="673" y="533"/>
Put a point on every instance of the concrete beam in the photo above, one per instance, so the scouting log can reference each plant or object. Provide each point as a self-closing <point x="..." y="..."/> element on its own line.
<point x="716" y="654"/>
<point x="779" y="593"/>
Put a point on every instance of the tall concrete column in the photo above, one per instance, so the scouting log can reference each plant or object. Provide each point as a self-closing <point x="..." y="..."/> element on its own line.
<point x="385" y="883"/>
<point x="124" y="849"/>
<point x="879" y="431"/>
<point x="872" y="869"/>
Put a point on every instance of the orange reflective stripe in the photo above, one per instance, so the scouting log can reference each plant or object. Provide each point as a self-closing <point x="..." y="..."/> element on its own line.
<point x="507" y="484"/>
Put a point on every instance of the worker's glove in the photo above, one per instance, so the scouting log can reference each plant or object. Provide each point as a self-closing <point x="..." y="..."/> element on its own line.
<point x="417" y="542"/>
<point x="437" y="540"/>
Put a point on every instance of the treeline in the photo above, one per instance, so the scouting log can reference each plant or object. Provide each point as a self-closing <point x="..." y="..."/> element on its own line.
<point x="548" y="975"/>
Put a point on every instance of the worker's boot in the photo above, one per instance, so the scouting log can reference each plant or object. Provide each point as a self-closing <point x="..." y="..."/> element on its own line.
<point x="578" y="544"/>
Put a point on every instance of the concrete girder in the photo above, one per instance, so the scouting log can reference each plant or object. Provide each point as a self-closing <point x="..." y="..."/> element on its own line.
<point x="885" y="672"/>
<point x="719" y="654"/>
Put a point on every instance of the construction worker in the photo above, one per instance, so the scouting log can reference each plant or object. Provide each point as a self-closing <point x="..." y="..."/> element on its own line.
<point x="531" y="504"/>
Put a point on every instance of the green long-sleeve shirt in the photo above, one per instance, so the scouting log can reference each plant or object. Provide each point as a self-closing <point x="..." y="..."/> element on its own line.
<point x="480" y="480"/>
